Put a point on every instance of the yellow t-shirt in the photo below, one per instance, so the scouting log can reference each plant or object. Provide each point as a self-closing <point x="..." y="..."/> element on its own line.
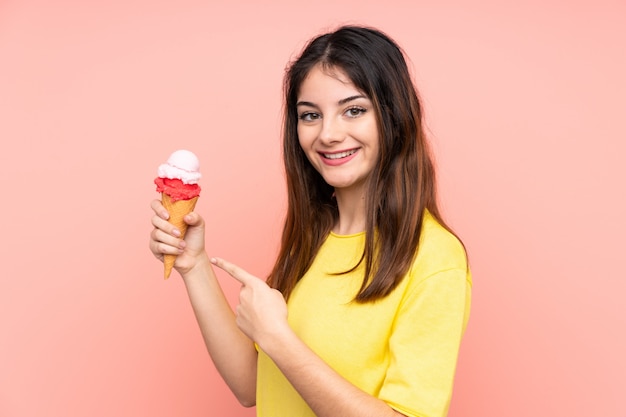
<point x="402" y="349"/>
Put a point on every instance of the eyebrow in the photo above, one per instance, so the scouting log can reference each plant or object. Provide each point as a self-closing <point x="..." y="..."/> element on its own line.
<point x="340" y="102"/>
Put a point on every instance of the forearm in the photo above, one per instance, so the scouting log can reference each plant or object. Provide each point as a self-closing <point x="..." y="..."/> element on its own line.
<point x="232" y="352"/>
<point x="325" y="391"/>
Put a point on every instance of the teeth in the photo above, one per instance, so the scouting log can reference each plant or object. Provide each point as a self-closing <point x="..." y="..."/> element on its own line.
<point x="339" y="155"/>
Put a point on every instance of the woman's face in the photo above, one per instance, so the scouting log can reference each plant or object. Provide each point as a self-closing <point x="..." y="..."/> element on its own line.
<point x="337" y="128"/>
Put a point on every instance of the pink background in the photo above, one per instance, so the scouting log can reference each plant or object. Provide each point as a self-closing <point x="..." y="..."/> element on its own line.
<point x="525" y="104"/>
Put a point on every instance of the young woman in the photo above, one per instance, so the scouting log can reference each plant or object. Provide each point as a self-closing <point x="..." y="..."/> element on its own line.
<point x="364" y="310"/>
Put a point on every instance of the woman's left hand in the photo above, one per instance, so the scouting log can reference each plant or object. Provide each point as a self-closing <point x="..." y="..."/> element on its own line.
<point x="262" y="311"/>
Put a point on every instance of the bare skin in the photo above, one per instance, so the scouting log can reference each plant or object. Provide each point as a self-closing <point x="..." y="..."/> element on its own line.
<point x="232" y="351"/>
<point x="337" y="131"/>
<point x="261" y="316"/>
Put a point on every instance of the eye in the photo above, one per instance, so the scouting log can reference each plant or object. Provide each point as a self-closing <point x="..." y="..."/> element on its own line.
<point x="355" y="111"/>
<point x="309" y="116"/>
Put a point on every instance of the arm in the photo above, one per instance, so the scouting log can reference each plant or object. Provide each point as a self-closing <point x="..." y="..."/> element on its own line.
<point x="262" y="315"/>
<point x="232" y="352"/>
<point x="326" y="392"/>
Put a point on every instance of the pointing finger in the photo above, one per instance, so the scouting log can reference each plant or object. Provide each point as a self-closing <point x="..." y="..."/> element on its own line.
<point x="234" y="271"/>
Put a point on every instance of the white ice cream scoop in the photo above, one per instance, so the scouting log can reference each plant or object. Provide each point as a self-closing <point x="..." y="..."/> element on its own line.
<point x="183" y="165"/>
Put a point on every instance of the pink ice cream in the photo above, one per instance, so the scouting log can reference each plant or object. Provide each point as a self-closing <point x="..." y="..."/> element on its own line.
<point x="179" y="176"/>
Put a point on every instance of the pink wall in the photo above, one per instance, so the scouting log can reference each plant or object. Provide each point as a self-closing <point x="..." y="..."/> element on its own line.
<point x="526" y="107"/>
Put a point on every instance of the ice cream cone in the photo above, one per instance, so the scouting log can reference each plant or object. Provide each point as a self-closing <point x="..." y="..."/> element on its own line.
<point x="178" y="210"/>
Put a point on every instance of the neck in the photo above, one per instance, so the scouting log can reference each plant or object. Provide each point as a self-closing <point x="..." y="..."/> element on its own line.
<point x="351" y="206"/>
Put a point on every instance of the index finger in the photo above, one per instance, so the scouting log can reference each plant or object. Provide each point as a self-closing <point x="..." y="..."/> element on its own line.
<point x="158" y="208"/>
<point x="234" y="271"/>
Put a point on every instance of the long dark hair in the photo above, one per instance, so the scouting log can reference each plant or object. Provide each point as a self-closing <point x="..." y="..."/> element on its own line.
<point x="400" y="187"/>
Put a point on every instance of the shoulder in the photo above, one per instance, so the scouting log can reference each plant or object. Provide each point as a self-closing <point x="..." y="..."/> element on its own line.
<point x="439" y="250"/>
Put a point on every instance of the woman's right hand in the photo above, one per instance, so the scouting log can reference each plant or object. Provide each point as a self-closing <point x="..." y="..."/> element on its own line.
<point x="165" y="239"/>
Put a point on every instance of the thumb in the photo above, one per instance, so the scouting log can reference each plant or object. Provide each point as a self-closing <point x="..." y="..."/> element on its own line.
<point x="234" y="271"/>
<point x="194" y="219"/>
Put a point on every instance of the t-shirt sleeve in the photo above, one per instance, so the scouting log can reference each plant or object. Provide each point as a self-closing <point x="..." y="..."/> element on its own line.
<point x="424" y="344"/>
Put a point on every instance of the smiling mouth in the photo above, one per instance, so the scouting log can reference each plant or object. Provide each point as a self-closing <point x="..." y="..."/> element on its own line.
<point x="339" y="155"/>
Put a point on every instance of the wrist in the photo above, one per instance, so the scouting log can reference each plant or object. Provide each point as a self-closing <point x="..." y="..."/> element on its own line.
<point x="275" y="341"/>
<point x="199" y="268"/>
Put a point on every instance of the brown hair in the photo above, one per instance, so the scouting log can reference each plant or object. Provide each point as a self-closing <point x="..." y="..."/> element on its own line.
<point x="400" y="187"/>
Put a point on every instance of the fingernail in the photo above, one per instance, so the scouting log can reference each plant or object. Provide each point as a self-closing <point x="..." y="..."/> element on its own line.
<point x="165" y="215"/>
<point x="176" y="232"/>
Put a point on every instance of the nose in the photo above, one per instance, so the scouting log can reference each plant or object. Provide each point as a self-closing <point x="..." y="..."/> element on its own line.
<point x="332" y="131"/>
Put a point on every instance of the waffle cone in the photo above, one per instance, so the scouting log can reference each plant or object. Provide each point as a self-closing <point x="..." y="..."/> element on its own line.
<point x="177" y="210"/>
